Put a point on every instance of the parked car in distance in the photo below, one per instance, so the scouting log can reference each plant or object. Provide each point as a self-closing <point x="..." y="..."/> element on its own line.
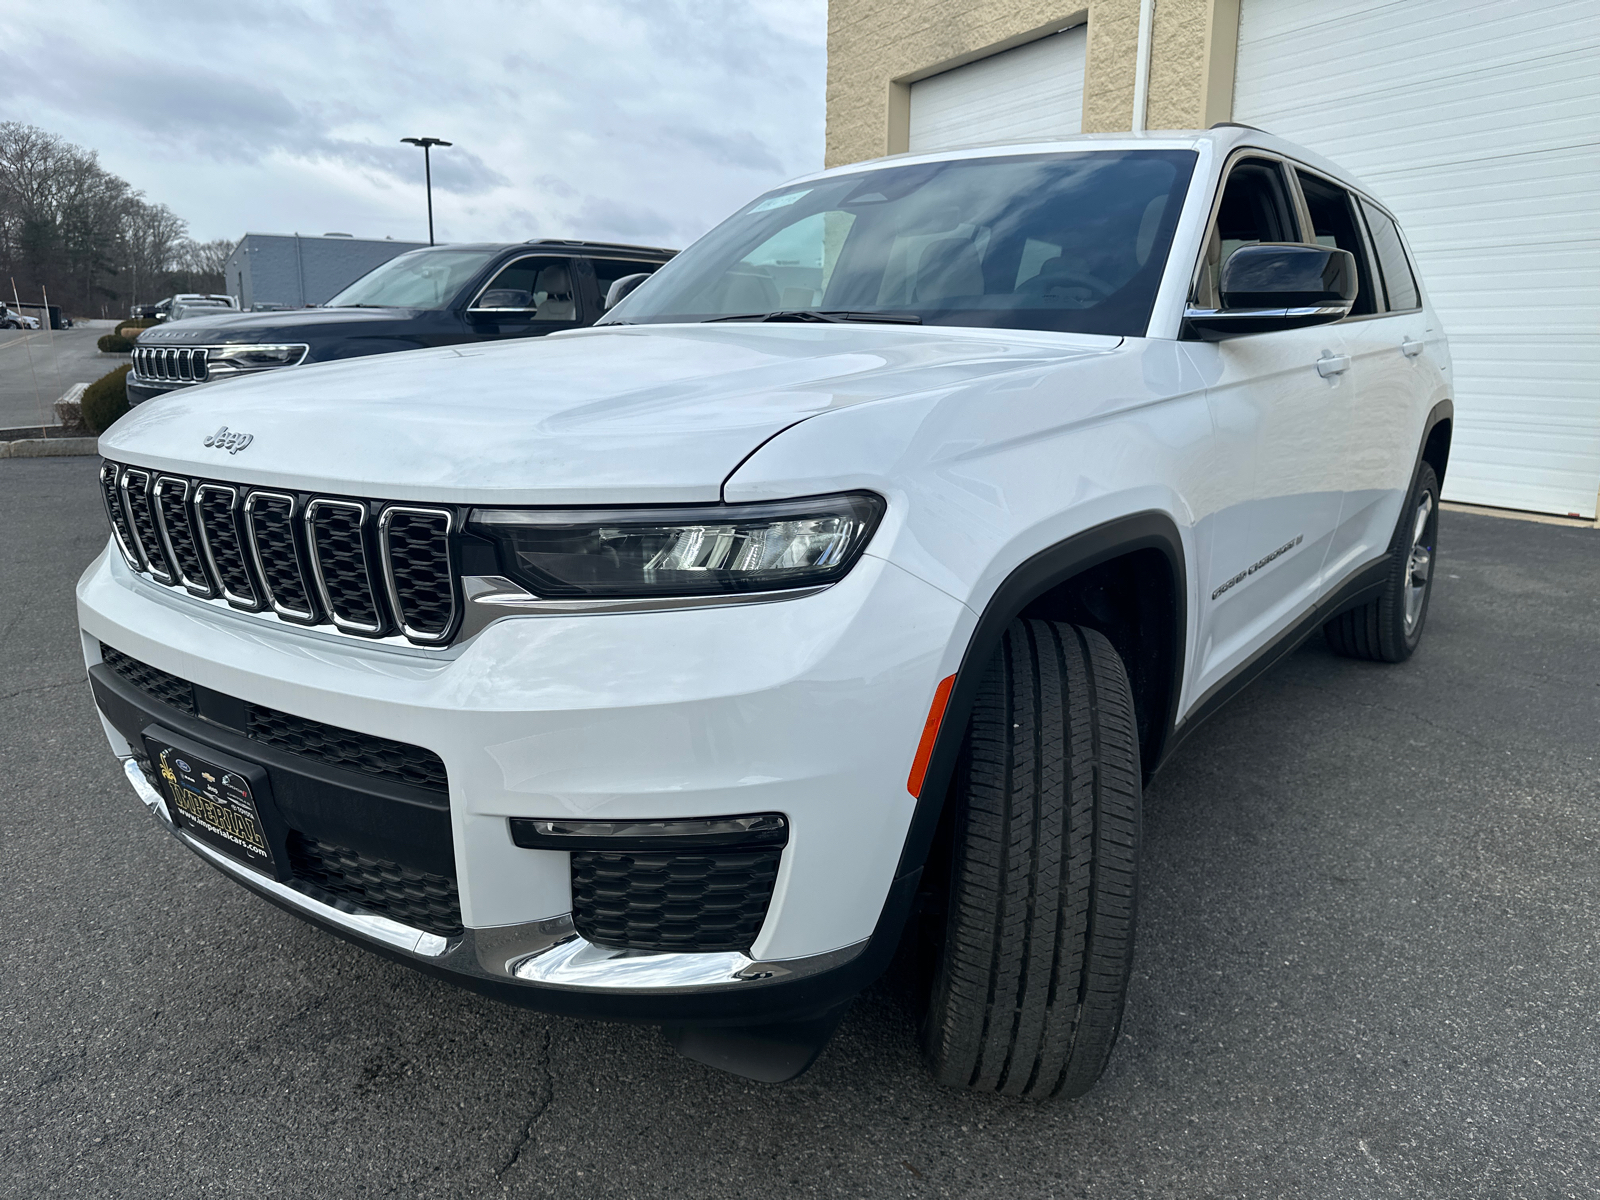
<point x="833" y="597"/>
<point x="10" y="318"/>
<point x="439" y="296"/>
<point x="185" y="306"/>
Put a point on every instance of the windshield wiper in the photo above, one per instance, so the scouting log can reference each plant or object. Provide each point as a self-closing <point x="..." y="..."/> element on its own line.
<point x="832" y="316"/>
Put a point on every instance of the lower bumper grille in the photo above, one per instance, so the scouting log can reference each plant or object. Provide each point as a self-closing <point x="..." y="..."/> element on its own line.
<point x="703" y="900"/>
<point x="414" y="898"/>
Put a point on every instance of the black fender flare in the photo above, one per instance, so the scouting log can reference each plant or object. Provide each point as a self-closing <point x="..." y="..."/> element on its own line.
<point x="1149" y="530"/>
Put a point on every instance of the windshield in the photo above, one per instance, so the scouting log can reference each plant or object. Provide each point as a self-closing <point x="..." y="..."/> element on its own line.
<point x="1073" y="242"/>
<point x="420" y="279"/>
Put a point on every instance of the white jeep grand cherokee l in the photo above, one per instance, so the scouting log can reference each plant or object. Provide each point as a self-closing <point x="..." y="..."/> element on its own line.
<point x="836" y="594"/>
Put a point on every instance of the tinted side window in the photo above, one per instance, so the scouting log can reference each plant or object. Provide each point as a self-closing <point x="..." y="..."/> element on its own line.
<point x="541" y="287"/>
<point x="1255" y="208"/>
<point x="608" y="270"/>
<point x="1333" y="222"/>
<point x="1398" y="280"/>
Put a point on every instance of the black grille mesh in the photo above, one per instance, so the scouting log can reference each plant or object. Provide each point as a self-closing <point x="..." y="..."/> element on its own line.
<point x="144" y="523"/>
<point x="180" y="535"/>
<point x="388" y="889"/>
<point x="419" y="559"/>
<point x="258" y="553"/>
<point x="272" y="520"/>
<point x="113" y="502"/>
<point x="215" y="507"/>
<point x="707" y="900"/>
<point x="152" y="681"/>
<point x="343" y="560"/>
<point x="398" y="761"/>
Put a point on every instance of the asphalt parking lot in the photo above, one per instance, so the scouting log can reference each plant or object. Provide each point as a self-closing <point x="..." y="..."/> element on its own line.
<point x="1368" y="957"/>
<point x="38" y="365"/>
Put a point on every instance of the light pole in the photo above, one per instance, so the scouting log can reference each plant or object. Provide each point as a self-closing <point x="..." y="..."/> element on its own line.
<point x="427" y="143"/>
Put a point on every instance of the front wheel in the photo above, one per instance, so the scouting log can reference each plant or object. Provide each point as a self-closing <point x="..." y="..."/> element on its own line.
<point x="1028" y="988"/>
<point x="1389" y="628"/>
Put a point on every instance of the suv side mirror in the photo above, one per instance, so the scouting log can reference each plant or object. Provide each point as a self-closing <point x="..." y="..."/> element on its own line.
<point x="1278" y="286"/>
<point x="621" y="287"/>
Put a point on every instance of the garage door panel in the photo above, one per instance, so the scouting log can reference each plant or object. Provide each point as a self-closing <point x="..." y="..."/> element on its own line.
<point x="1032" y="91"/>
<point x="1476" y="124"/>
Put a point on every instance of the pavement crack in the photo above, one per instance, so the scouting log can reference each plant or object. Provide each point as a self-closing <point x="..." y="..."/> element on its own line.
<point x="543" y="1095"/>
<point x="43" y="687"/>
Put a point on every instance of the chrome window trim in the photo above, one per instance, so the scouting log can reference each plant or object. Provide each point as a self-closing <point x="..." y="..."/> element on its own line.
<point x="129" y="554"/>
<point x="393" y="593"/>
<point x="203" y="588"/>
<point x="283" y="610"/>
<point x="241" y="602"/>
<point x="160" y="576"/>
<point x="309" y="518"/>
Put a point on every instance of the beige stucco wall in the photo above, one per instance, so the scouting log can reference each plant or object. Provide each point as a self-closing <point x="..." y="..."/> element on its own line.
<point x="877" y="48"/>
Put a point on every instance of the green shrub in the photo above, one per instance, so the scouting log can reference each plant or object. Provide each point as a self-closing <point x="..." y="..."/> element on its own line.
<point x="105" y="400"/>
<point x="114" y="343"/>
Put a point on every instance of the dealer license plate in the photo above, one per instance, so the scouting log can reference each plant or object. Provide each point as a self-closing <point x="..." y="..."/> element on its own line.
<point x="215" y="806"/>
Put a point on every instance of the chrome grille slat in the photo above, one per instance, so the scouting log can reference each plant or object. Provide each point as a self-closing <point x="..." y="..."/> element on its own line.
<point x="169" y="501"/>
<point x="269" y="517"/>
<point x="336" y="533"/>
<point x="360" y="568"/>
<point x="136" y="499"/>
<point x="171" y="364"/>
<point x="217" y="530"/>
<point x="121" y="531"/>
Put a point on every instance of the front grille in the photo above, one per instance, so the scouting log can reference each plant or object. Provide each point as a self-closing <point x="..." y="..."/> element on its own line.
<point x="387" y="759"/>
<point x="171" y="364"/>
<point x="388" y="889"/>
<point x="362" y="567"/>
<point x="705" y="900"/>
<point x="152" y="681"/>
<point x="381" y="757"/>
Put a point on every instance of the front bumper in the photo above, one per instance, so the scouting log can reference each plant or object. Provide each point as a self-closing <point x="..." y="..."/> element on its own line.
<point x="811" y="708"/>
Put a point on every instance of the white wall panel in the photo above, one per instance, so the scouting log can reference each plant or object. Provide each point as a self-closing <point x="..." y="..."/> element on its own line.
<point x="1035" y="90"/>
<point x="1478" y="123"/>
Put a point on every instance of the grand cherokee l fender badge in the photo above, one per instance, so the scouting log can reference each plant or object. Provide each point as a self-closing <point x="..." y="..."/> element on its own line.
<point x="1259" y="563"/>
<point x="231" y="442"/>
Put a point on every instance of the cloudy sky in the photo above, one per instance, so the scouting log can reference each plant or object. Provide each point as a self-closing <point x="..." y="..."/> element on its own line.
<point x="622" y="120"/>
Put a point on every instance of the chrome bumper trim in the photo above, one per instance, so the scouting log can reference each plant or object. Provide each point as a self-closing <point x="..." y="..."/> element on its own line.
<point x="547" y="953"/>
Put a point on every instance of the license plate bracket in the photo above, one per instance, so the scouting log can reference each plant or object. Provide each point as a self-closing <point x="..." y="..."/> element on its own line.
<point x="215" y="798"/>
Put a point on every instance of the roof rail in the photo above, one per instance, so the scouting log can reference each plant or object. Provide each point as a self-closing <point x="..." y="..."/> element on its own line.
<point x="596" y="245"/>
<point x="1238" y="125"/>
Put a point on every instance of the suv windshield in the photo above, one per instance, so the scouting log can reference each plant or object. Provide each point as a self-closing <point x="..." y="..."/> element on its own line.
<point x="1073" y="242"/>
<point x="420" y="279"/>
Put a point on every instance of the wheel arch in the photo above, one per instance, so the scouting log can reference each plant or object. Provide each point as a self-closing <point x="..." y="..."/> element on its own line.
<point x="1088" y="579"/>
<point x="1436" y="432"/>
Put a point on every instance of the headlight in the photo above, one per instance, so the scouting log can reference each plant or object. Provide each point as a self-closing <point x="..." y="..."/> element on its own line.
<point x="252" y="358"/>
<point x="717" y="549"/>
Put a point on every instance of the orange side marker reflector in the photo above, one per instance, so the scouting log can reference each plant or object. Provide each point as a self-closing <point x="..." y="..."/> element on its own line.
<point x="930" y="732"/>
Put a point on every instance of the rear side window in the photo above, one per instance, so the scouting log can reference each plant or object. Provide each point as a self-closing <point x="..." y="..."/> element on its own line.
<point x="1398" y="280"/>
<point x="1255" y="208"/>
<point x="1334" y="223"/>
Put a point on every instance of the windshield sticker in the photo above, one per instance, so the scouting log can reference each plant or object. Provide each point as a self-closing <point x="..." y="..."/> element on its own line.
<point x="783" y="201"/>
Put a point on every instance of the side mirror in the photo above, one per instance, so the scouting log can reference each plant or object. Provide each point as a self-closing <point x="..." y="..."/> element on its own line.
<point x="1278" y="286"/>
<point x="621" y="287"/>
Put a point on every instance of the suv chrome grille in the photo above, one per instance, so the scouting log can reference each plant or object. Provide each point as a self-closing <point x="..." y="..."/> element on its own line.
<point x="171" y="364"/>
<point x="363" y="567"/>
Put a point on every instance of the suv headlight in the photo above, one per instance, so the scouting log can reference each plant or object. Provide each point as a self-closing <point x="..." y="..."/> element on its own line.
<point x="225" y="359"/>
<point x="711" y="550"/>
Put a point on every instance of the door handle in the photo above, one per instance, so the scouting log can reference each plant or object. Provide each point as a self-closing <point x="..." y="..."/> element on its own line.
<point x="1331" y="364"/>
<point x="1411" y="347"/>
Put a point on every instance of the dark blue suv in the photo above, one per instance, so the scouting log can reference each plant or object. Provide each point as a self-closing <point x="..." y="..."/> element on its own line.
<point x="435" y="297"/>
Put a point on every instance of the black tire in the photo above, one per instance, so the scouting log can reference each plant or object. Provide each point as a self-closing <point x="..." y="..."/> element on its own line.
<point x="1389" y="628"/>
<point x="1027" y="991"/>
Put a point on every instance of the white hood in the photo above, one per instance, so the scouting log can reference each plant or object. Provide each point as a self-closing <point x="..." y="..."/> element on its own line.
<point x="619" y="414"/>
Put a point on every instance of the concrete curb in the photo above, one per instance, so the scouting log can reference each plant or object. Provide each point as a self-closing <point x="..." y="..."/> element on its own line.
<point x="50" y="447"/>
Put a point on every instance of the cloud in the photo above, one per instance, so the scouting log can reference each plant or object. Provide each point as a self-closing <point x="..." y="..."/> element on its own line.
<point x="613" y="119"/>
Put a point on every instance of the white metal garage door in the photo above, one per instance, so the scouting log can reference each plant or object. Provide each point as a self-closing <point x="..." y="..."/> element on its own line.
<point x="1479" y="124"/>
<point x="1035" y="90"/>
